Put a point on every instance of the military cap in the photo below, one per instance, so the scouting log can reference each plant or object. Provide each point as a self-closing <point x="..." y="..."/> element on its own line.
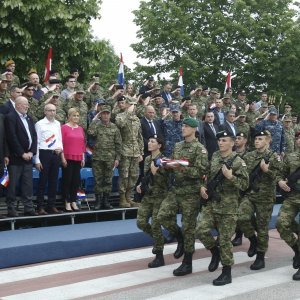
<point x="273" y="111"/>
<point x="54" y="81"/>
<point x="287" y="118"/>
<point x="80" y="91"/>
<point x="145" y="95"/>
<point x="174" y="107"/>
<point x="9" y="62"/>
<point x="28" y="85"/>
<point x="191" y="122"/>
<point x="242" y="93"/>
<point x="242" y="134"/>
<point x="242" y="113"/>
<point x="129" y="100"/>
<point x="32" y="71"/>
<point x="55" y="94"/>
<point x="214" y="90"/>
<point x="227" y="96"/>
<point x="262" y="133"/>
<point x="297" y="134"/>
<point x="150" y="78"/>
<point x="106" y="108"/>
<point x="155" y="96"/>
<point x="224" y="134"/>
<point x="3" y="78"/>
<point x="119" y="87"/>
<point x="121" y="98"/>
<point x="100" y="101"/>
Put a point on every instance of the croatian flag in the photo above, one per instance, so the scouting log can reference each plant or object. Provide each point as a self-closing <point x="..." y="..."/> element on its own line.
<point x="81" y="195"/>
<point x="89" y="151"/>
<point x="228" y="81"/>
<point x="180" y="82"/>
<point x="4" y="180"/>
<point x="48" y="65"/>
<point x="121" y="77"/>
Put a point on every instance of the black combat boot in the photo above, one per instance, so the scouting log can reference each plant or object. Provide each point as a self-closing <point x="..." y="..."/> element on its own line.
<point x="180" y="246"/>
<point x="259" y="262"/>
<point x="104" y="203"/>
<point x="253" y="243"/>
<point x="215" y="259"/>
<point x="296" y="258"/>
<point x="296" y="276"/>
<point x="98" y="201"/>
<point x="225" y="277"/>
<point x="158" y="260"/>
<point x="186" y="267"/>
<point x="237" y="241"/>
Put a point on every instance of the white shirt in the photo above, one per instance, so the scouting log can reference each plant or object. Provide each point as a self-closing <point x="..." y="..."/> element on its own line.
<point x="48" y="136"/>
<point x="25" y="123"/>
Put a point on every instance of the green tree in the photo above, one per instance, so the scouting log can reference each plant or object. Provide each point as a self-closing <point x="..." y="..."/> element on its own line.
<point x="207" y="38"/>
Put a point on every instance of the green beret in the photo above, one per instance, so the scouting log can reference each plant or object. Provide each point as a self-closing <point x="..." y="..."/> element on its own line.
<point x="191" y="122"/>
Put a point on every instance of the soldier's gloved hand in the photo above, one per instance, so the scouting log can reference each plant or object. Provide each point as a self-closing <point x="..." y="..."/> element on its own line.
<point x="264" y="167"/>
<point x="283" y="185"/>
<point x="227" y="172"/>
<point x="203" y="193"/>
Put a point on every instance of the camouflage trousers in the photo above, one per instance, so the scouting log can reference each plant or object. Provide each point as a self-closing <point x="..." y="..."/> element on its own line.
<point x="103" y="173"/>
<point x="225" y="224"/>
<point x="263" y="213"/>
<point x="286" y="224"/>
<point x="128" y="173"/>
<point x="189" y="206"/>
<point x="149" y="207"/>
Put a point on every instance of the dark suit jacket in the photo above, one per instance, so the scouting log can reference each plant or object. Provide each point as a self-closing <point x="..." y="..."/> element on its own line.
<point x="165" y="97"/>
<point x="146" y="132"/>
<point x="17" y="138"/>
<point x="6" y="108"/>
<point x="210" y="138"/>
<point x="227" y="128"/>
<point x="3" y="144"/>
<point x="217" y="119"/>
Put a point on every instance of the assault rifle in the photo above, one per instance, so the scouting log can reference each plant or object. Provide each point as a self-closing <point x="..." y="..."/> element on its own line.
<point x="217" y="181"/>
<point x="255" y="176"/>
<point x="292" y="183"/>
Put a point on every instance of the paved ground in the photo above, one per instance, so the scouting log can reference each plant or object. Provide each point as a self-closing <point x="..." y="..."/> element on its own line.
<point x="124" y="275"/>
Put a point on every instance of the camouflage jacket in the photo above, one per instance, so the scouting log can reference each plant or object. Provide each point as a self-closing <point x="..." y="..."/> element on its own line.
<point x="229" y="189"/>
<point x="172" y="135"/>
<point x="108" y="141"/>
<point x="289" y="140"/>
<point x="131" y="132"/>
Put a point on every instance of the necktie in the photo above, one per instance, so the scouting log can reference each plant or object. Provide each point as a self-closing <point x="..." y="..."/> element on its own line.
<point x="152" y="128"/>
<point x="213" y="128"/>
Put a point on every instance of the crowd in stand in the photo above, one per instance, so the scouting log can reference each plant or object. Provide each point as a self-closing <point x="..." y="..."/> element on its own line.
<point x="60" y="122"/>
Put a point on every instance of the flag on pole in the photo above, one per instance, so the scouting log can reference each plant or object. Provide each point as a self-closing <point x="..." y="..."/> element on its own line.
<point x="228" y="81"/>
<point x="121" y="77"/>
<point x="48" y="65"/>
<point x="180" y="82"/>
<point x="4" y="180"/>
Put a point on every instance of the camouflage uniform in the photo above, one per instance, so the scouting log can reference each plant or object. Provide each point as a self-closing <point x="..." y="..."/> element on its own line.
<point x="33" y="109"/>
<point x="259" y="203"/>
<point x="243" y="128"/>
<point x="82" y="108"/>
<point x="150" y="205"/>
<point x="200" y="102"/>
<point x="290" y="140"/>
<point x="91" y="96"/>
<point x="4" y="97"/>
<point x="185" y="193"/>
<point x="286" y="224"/>
<point x="132" y="148"/>
<point x="172" y="135"/>
<point x="222" y="214"/>
<point x="277" y="133"/>
<point x="107" y="149"/>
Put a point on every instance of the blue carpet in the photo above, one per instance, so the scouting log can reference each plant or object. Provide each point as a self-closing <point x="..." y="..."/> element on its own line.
<point x="28" y="246"/>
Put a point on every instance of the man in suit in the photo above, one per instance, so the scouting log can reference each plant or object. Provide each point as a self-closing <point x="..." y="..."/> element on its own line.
<point x="210" y="131"/>
<point x="22" y="145"/>
<point x="166" y="93"/>
<point x="3" y="152"/>
<point x="9" y="105"/>
<point x="219" y="113"/>
<point x="229" y="125"/>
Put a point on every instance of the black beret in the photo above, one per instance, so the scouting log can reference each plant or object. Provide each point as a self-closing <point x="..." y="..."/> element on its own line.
<point x="186" y="98"/>
<point x="262" y="133"/>
<point x="119" y="87"/>
<point x="224" y="134"/>
<point x="242" y="134"/>
<point x="150" y="78"/>
<point x="54" y="81"/>
<point x="52" y="72"/>
<point x="121" y="98"/>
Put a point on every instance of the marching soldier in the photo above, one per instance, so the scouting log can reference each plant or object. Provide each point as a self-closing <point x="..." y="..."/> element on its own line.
<point x="221" y="211"/>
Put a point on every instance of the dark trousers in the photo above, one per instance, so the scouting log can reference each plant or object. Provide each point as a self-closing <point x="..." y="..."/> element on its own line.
<point x="49" y="174"/>
<point x="71" y="180"/>
<point x="23" y="174"/>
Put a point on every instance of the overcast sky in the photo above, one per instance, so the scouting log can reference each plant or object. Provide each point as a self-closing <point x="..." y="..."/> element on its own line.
<point x="116" y="25"/>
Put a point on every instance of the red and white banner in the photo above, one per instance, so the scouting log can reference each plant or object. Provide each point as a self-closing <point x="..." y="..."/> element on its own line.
<point x="48" y="65"/>
<point x="228" y="81"/>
